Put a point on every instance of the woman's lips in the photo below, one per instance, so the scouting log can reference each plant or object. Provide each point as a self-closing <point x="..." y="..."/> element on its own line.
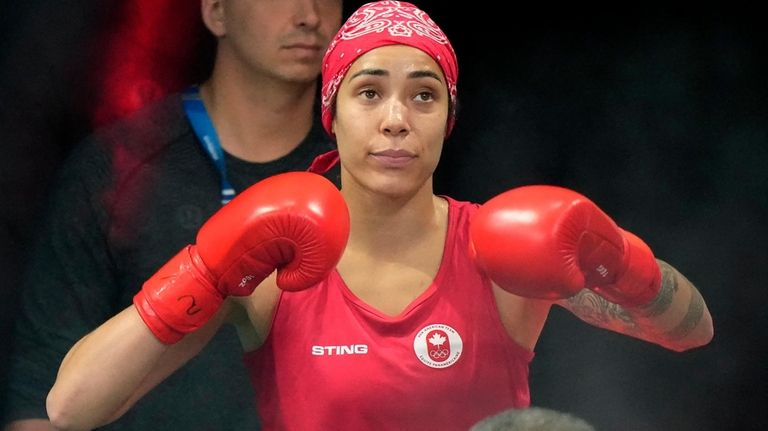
<point x="393" y="158"/>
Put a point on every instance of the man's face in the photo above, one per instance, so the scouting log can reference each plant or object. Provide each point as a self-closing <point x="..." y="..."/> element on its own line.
<point x="283" y="39"/>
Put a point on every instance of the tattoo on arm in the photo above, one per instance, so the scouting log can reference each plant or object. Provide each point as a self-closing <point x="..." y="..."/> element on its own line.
<point x="692" y="317"/>
<point x="670" y="284"/>
<point x="596" y="310"/>
<point x="669" y="287"/>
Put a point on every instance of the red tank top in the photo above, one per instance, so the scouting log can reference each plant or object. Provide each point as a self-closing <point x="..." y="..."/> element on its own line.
<point x="332" y="362"/>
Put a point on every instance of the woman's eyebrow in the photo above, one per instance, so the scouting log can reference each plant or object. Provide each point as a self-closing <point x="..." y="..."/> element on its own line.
<point x="424" y="74"/>
<point x="370" y="72"/>
<point x="412" y="75"/>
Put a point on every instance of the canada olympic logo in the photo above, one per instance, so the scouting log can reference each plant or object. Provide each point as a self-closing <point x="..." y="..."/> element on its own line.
<point x="437" y="346"/>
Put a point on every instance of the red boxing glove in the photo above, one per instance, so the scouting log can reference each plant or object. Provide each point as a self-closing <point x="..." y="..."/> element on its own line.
<point x="297" y="223"/>
<point x="549" y="242"/>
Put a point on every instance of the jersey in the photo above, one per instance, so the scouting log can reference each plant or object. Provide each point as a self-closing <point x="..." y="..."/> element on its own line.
<point x="332" y="361"/>
<point x="127" y="200"/>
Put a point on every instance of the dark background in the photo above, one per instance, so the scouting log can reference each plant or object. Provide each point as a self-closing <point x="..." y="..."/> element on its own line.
<point x="657" y="113"/>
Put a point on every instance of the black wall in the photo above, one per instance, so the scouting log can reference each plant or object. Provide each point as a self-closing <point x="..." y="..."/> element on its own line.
<point x="660" y="116"/>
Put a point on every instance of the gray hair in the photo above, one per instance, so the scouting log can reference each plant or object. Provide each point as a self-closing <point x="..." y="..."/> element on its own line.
<point x="532" y="419"/>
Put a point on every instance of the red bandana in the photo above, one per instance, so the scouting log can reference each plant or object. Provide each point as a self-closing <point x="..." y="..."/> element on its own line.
<point x="379" y="24"/>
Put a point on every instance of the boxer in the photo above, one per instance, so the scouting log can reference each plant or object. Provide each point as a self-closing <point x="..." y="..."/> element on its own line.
<point x="430" y="318"/>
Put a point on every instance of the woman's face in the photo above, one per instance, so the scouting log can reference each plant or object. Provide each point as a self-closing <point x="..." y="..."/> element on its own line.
<point x="390" y="120"/>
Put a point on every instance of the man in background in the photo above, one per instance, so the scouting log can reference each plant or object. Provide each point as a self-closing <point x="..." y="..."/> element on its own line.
<point x="133" y="193"/>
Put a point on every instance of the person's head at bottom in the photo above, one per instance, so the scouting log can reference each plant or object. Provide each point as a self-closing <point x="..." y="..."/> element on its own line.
<point x="532" y="419"/>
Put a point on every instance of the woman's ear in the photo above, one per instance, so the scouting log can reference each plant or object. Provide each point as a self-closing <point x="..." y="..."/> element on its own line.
<point x="212" y="12"/>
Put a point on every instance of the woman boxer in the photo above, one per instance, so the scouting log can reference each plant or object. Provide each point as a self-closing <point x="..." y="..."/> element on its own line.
<point x="392" y="308"/>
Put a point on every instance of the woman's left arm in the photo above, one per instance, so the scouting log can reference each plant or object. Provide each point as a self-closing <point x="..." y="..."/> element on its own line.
<point x="677" y="318"/>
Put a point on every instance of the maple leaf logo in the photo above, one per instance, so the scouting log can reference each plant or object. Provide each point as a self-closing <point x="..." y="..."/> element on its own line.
<point x="436" y="339"/>
<point x="437" y="345"/>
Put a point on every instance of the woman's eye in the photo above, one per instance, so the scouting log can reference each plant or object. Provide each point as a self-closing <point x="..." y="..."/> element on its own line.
<point x="424" y="96"/>
<point x="368" y="94"/>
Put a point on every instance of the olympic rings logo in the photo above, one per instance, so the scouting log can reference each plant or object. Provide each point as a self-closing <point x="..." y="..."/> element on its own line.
<point x="439" y="354"/>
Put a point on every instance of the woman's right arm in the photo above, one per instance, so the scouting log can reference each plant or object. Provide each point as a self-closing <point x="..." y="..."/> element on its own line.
<point x="297" y="222"/>
<point x="110" y="369"/>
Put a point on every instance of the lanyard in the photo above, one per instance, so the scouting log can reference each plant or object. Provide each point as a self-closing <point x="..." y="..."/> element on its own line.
<point x="209" y="140"/>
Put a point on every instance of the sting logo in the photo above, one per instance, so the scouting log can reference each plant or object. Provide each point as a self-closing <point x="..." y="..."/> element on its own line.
<point x="352" y="349"/>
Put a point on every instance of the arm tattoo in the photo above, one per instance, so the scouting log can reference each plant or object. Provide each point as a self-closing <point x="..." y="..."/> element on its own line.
<point x="596" y="310"/>
<point x="670" y="285"/>
<point x="669" y="288"/>
<point x="692" y="317"/>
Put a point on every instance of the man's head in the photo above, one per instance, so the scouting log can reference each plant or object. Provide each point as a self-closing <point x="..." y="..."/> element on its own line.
<point x="279" y="39"/>
<point x="532" y="419"/>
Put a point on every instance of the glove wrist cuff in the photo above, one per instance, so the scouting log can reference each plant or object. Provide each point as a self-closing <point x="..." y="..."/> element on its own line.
<point x="641" y="280"/>
<point x="179" y="298"/>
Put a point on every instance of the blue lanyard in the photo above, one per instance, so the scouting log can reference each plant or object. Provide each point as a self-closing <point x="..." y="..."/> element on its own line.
<point x="209" y="140"/>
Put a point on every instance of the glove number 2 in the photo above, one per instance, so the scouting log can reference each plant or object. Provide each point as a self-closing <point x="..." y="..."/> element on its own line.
<point x="193" y="308"/>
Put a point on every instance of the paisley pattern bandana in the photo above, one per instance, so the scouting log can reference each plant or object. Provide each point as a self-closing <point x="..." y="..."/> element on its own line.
<point x="379" y="24"/>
